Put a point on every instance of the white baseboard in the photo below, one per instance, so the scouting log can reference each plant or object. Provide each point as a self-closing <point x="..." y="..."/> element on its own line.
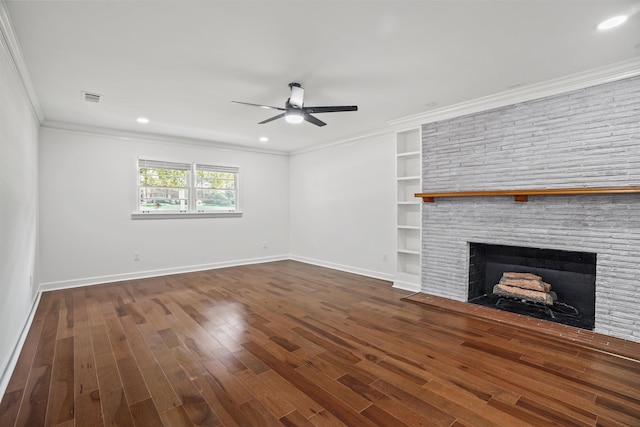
<point x="9" y="365"/>
<point x="412" y="287"/>
<point x="348" y="269"/>
<point x="87" y="281"/>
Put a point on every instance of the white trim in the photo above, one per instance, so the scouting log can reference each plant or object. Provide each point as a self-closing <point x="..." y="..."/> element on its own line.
<point x="10" y="364"/>
<point x="406" y="286"/>
<point x="154" y="137"/>
<point x="88" y="281"/>
<point x="9" y="42"/>
<point x="169" y="215"/>
<point x="618" y="71"/>
<point x="342" y="141"/>
<point x="346" y="268"/>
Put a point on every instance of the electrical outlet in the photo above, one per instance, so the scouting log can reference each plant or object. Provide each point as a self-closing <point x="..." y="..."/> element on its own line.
<point x="264" y="245"/>
<point x="385" y="257"/>
<point x="136" y="256"/>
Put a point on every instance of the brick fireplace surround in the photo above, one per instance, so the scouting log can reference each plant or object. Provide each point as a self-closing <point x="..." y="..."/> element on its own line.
<point x="584" y="138"/>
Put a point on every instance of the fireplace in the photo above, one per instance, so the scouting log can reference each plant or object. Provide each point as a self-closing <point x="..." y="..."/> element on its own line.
<point x="571" y="274"/>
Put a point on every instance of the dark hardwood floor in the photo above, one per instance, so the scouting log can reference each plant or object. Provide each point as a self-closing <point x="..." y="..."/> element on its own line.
<point x="291" y="344"/>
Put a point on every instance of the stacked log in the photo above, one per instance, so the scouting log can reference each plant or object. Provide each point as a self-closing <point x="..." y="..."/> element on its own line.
<point x="525" y="286"/>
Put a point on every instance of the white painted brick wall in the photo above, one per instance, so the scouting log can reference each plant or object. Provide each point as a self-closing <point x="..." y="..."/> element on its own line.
<point x="584" y="138"/>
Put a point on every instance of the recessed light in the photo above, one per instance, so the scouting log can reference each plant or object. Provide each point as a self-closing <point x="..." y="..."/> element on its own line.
<point x="264" y="139"/>
<point x="612" y="22"/>
<point x="142" y="120"/>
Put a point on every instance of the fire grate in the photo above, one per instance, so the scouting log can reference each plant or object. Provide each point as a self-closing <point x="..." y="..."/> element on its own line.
<point x="559" y="312"/>
<point x="553" y="311"/>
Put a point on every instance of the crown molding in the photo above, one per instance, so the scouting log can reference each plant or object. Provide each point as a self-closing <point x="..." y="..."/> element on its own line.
<point x="353" y="139"/>
<point x="618" y="71"/>
<point x="10" y="44"/>
<point x="153" y="137"/>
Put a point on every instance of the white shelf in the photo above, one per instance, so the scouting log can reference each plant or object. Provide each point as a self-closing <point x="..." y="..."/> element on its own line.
<point x="409" y="154"/>
<point x="408" y="141"/>
<point x="408" y="264"/>
<point x="409" y="217"/>
<point x="408" y="166"/>
<point x="408" y="251"/>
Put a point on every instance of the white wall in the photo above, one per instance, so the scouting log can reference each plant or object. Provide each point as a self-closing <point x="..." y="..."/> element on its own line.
<point x="342" y="206"/>
<point x="18" y="208"/>
<point x="88" y="193"/>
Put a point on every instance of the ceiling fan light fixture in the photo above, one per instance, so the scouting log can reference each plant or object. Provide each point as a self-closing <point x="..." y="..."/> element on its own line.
<point x="294" y="116"/>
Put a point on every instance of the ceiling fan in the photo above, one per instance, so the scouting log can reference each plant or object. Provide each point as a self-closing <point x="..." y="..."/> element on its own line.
<point x="296" y="112"/>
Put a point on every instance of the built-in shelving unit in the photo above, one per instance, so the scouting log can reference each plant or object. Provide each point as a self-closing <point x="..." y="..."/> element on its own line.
<point x="409" y="218"/>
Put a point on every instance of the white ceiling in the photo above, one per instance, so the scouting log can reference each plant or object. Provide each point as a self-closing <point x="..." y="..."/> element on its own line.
<point x="181" y="62"/>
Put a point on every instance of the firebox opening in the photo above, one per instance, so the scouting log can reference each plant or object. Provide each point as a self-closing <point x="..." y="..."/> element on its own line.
<point x="571" y="274"/>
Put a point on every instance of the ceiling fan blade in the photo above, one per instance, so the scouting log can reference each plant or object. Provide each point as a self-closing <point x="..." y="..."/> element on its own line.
<point x="315" y="121"/>
<point x="279" y="116"/>
<point x="259" y="105"/>
<point x="333" y="109"/>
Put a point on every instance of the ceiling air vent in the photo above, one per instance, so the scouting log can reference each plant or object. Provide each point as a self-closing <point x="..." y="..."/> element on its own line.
<point x="91" y="97"/>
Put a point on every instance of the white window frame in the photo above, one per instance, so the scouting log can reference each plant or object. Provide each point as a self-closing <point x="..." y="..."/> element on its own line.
<point x="192" y="208"/>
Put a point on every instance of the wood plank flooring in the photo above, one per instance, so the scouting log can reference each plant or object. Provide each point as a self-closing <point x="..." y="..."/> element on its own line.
<point x="291" y="344"/>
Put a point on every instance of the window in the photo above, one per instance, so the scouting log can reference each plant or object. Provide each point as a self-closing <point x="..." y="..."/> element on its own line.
<point x="216" y="188"/>
<point x="164" y="186"/>
<point x="184" y="188"/>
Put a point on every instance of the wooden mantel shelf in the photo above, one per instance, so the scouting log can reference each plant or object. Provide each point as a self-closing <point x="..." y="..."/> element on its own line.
<point x="523" y="195"/>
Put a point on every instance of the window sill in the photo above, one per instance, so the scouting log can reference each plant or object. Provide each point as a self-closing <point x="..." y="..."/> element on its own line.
<point x="177" y="215"/>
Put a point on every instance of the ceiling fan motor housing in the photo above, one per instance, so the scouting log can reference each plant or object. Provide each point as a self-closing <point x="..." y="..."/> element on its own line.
<point x="297" y="95"/>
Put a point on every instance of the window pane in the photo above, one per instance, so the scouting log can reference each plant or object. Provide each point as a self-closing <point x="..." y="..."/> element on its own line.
<point x="207" y="200"/>
<point x="206" y="179"/>
<point x="164" y="177"/>
<point x="165" y="199"/>
<point x="217" y="183"/>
